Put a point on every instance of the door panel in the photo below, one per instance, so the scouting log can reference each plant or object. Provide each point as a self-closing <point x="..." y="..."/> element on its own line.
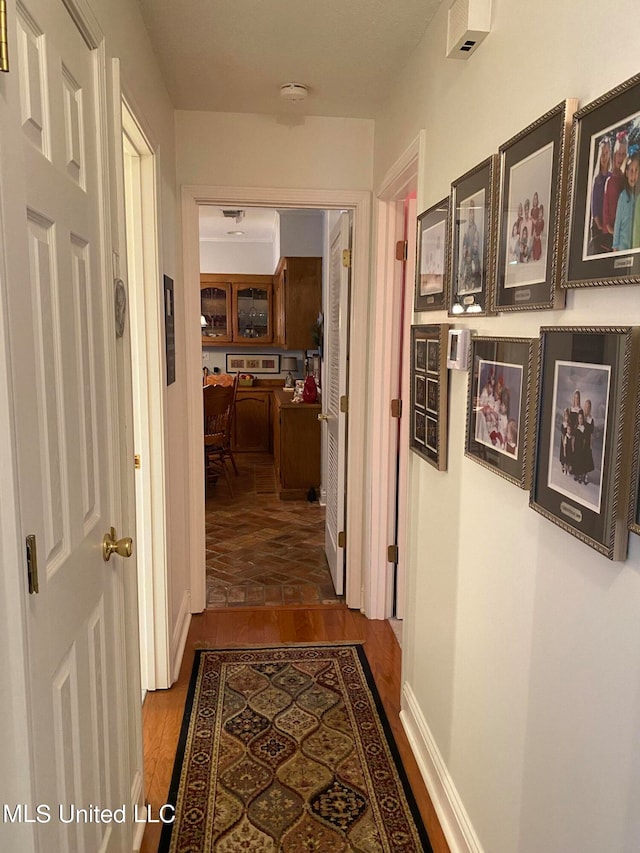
<point x="61" y="345"/>
<point x="335" y="381"/>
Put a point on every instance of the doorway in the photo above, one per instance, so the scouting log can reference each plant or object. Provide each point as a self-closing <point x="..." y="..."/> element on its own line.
<point x="259" y="549"/>
<point x="396" y="207"/>
<point x="146" y="326"/>
<point x="359" y="203"/>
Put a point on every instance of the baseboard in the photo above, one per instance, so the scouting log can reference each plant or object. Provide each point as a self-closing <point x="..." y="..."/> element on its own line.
<point x="452" y="815"/>
<point x="137" y="799"/>
<point x="179" y="639"/>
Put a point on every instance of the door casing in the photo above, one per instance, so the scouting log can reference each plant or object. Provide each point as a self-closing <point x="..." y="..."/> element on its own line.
<point x="359" y="201"/>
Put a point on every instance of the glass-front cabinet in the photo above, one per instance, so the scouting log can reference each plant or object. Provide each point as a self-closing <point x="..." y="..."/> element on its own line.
<point x="236" y="309"/>
<point x="252" y="313"/>
<point x="215" y="313"/>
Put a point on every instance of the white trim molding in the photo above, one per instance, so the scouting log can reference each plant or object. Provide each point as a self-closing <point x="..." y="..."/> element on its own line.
<point x="180" y="632"/>
<point x="454" y="820"/>
<point x="359" y="201"/>
<point x="399" y="181"/>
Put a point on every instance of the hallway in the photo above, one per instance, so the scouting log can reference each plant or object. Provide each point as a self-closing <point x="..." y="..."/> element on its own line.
<point x="262" y="551"/>
<point x="163" y="709"/>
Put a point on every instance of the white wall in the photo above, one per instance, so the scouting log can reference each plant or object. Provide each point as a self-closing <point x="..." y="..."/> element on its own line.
<point x="234" y="149"/>
<point x="521" y="645"/>
<point x="247" y="258"/>
<point x="301" y="233"/>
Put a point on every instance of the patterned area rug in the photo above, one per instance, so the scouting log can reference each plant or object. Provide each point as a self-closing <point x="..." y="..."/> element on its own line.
<point x="288" y="749"/>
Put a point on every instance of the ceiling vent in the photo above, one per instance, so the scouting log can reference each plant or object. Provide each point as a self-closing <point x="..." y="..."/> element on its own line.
<point x="468" y="24"/>
<point x="238" y="215"/>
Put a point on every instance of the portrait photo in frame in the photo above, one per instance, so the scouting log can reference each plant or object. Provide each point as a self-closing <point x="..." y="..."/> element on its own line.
<point x="602" y="237"/>
<point x="531" y="199"/>
<point x="429" y="393"/>
<point x="500" y="406"/>
<point x="471" y="239"/>
<point x="585" y="418"/>
<point x="432" y="258"/>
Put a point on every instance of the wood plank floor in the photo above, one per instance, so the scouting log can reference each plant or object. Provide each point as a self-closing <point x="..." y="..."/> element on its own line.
<point x="163" y="709"/>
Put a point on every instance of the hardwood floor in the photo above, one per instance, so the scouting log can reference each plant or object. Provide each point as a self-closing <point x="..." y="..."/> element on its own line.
<point x="163" y="709"/>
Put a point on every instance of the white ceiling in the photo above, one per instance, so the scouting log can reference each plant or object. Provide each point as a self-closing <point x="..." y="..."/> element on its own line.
<point x="233" y="55"/>
<point x="259" y="225"/>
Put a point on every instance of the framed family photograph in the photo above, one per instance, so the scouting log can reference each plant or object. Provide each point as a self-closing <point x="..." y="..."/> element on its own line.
<point x="429" y="393"/>
<point x="471" y="239"/>
<point x="500" y="406"/>
<point x="431" y="258"/>
<point x="585" y="418"/>
<point x="531" y="198"/>
<point x="602" y="238"/>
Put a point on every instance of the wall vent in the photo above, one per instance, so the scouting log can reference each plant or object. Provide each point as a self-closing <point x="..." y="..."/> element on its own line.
<point x="468" y="24"/>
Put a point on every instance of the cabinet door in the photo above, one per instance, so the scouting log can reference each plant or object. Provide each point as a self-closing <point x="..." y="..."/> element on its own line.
<point x="299" y="302"/>
<point x="215" y="314"/>
<point x="252" y="424"/>
<point x="252" y="309"/>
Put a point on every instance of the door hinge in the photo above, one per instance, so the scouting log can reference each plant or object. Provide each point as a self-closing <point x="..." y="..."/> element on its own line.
<point x="346" y="258"/>
<point x="32" y="564"/>
<point x="342" y="539"/>
<point x="136" y="461"/>
<point x="392" y="553"/>
<point x="4" y="51"/>
<point x="396" y="408"/>
<point x="402" y="250"/>
<point x="344" y="404"/>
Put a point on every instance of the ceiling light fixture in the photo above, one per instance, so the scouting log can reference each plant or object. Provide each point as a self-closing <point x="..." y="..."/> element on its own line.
<point x="293" y="92"/>
<point x="235" y="233"/>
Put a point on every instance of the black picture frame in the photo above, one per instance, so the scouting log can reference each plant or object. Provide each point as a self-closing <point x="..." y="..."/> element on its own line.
<point x="594" y="256"/>
<point x="432" y="258"/>
<point x="531" y="214"/>
<point x="500" y="406"/>
<point x="581" y="484"/>
<point x="169" y="329"/>
<point x="472" y="239"/>
<point x="429" y="393"/>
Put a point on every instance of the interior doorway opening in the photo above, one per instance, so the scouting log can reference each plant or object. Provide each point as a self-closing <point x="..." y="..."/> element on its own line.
<point x="274" y="311"/>
<point x="359" y="202"/>
<point x="146" y="314"/>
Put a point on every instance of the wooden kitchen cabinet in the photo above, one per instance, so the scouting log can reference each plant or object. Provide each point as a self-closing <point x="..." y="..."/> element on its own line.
<point x="297" y="302"/>
<point x="252" y="424"/>
<point x="237" y="309"/>
<point x="296" y="446"/>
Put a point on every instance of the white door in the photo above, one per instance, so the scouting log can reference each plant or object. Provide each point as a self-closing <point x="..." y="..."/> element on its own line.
<point x="60" y="299"/>
<point x="334" y="396"/>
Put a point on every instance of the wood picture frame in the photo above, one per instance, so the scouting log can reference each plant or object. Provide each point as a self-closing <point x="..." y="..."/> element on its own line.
<point x="585" y="417"/>
<point x="602" y="235"/>
<point x="531" y="214"/>
<point x="471" y="249"/>
<point x="432" y="258"/>
<point x="429" y="393"/>
<point x="252" y="363"/>
<point x="500" y="406"/>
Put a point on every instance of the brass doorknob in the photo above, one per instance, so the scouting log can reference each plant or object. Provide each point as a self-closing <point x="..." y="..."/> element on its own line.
<point x="111" y="545"/>
<point x="322" y="416"/>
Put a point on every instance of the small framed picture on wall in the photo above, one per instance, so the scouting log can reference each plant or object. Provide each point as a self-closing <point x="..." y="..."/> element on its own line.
<point x="432" y="258"/>
<point x="429" y="393"/>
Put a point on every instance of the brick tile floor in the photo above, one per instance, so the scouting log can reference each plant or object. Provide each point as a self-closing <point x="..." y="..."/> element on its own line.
<point x="261" y="550"/>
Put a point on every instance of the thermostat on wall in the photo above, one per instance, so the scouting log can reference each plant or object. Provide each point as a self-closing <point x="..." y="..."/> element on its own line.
<point x="458" y="349"/>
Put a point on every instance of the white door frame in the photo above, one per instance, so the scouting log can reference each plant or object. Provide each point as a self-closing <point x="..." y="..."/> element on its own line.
<point x="360" y="202"/>
<point x="399" y="181"/>
<point x="147" y="350"/>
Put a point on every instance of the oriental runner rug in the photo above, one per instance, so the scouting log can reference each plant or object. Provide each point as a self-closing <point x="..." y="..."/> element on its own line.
<point x="288" y="749"/>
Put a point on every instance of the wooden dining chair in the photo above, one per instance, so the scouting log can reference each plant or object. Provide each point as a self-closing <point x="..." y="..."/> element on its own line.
<point x="218" y="409"/>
